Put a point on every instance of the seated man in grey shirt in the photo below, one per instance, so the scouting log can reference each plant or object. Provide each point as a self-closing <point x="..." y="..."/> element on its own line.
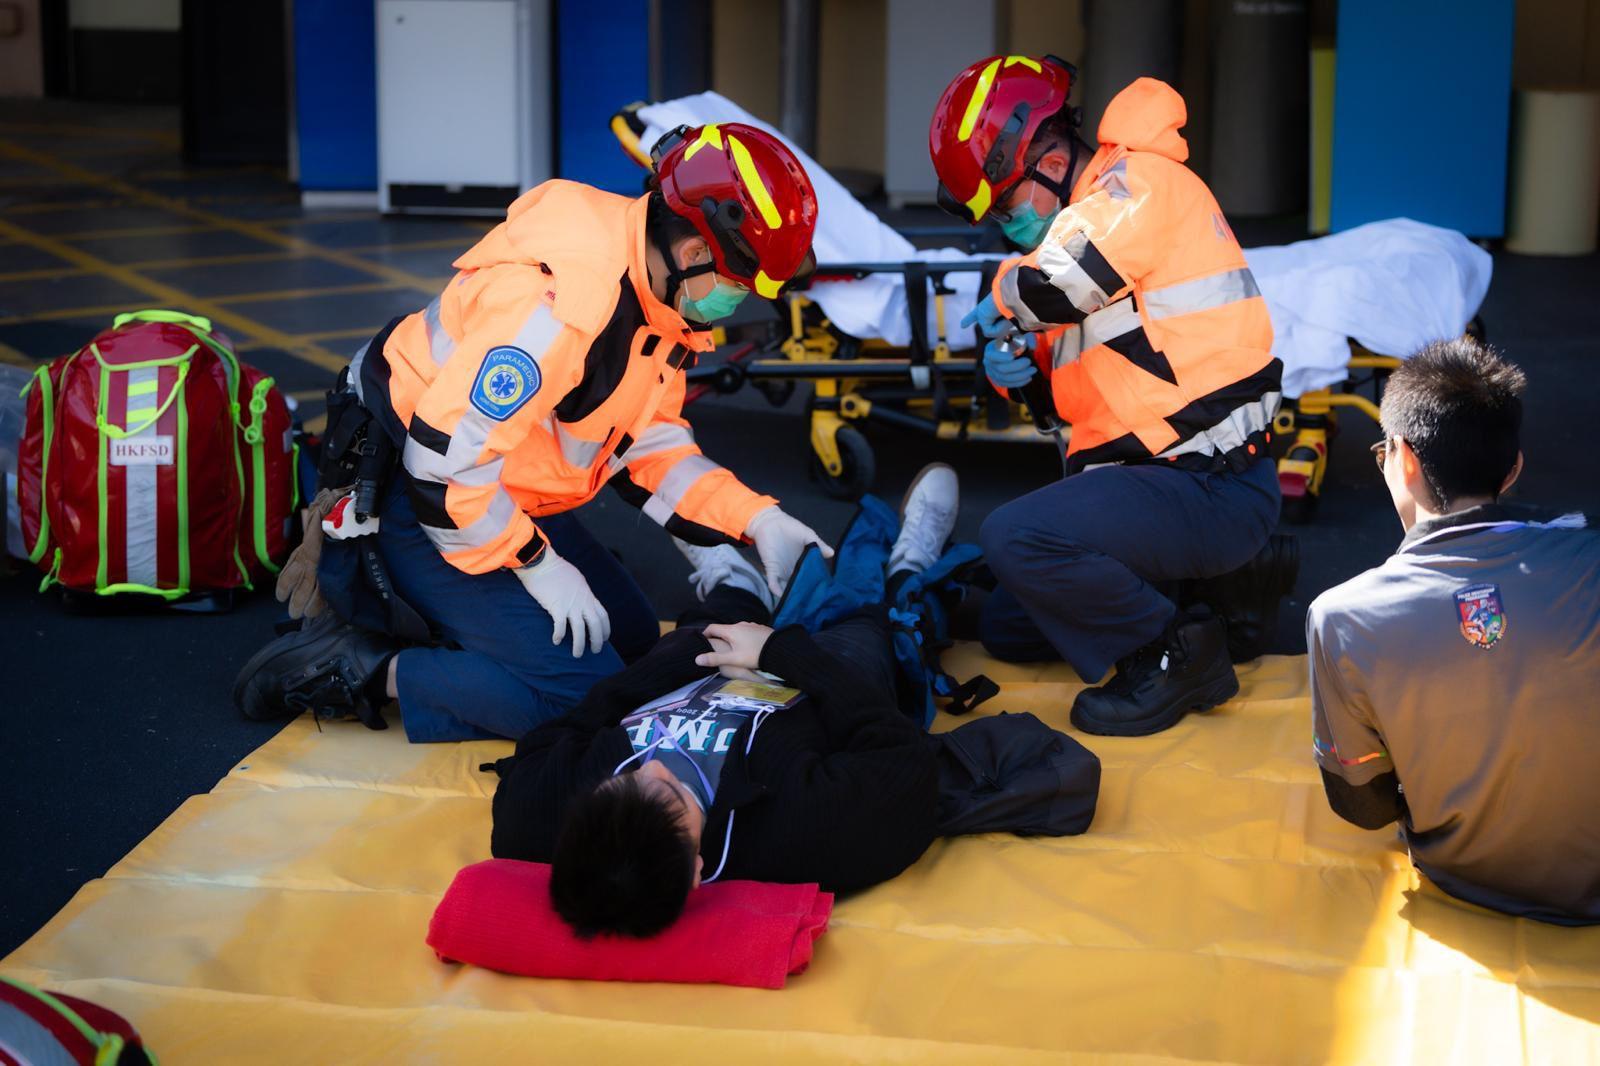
<point x="1456" y="688"/>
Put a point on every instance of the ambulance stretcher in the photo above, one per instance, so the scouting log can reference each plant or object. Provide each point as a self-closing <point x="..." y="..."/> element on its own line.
<point x="875" y="332"/>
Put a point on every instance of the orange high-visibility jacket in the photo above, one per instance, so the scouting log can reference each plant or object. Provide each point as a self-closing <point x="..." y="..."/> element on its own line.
<point x="1170" y="355"/>
<point x="544" y="370"/>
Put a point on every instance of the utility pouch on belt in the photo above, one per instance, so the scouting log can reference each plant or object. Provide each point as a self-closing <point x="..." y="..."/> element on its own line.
<point x="355" y="451"/>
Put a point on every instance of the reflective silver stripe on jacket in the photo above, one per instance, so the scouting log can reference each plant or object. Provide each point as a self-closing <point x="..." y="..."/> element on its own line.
<point x="1110" y="322"/>
<point x="660" y="437"/>
<point x="681" y="476"/>
<point x="1115" y="180"/>
<point x="491" y="524"/>
<point x="1061" y="263"/>
<point x="1232" y="432"/>
<point x="1201" y="294"/>
<point x="1066" y="348"/>
<point x="440" y="344"/>
<point x="574" y="449"/>
<point x="355" y="370"/>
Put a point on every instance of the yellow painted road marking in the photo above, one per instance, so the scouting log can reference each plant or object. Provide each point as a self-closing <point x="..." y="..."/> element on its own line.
<point x="250" y="229"/>
<point x="10" y="355"/>
<point x="134" y="231"/>
<point x="44" y="274"/>
<point x="211" y="260"/>
<point x="360" y="332"/>
<point x="463" y="242"/>
<point x="99" y="311"/>
<point x="171" y="296"/>
<point x="305" y="294"/>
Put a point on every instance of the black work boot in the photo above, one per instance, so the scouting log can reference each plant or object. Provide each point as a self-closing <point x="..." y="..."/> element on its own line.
<point x="1247" y="599"/>
<point x="1186" y="669"/>
<point x="327" y="668"/>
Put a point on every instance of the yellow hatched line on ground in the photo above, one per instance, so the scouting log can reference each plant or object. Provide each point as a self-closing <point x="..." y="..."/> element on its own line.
<point x="43" y="274"/>
<point x="173" y="297"/>
<point x="52" y="206"/>
<point x="303" y="294"/>
<point x="211" y="260"/>
<point x="13" y="357"/>
<point x="413" y="246"/>
<point x="361" y="332"/>
<point x="97" y="311"/>
<point x="259" y="232"/>
<point x="134" y="231"/>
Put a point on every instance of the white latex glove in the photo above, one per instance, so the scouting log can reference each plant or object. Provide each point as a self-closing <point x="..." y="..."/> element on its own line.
<point x="779" y="540"/>
<point x="341" y="524"/>
<point x="561" y="589"/>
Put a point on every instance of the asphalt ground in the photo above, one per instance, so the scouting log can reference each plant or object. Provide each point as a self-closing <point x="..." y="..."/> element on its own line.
<point x="109" y="721"/>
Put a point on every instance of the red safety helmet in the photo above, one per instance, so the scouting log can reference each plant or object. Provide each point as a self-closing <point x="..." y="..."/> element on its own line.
<point x="984" y="124"/>
<point x="747" y="195"/>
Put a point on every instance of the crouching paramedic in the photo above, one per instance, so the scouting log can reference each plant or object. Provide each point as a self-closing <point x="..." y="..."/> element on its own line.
<point x="550" y="366"/>
<point x="1163" y="369"/>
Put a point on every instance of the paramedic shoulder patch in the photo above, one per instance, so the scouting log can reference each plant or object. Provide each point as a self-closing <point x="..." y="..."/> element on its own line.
<point x="1482" y="615"/>
<point x="507" y="379"/>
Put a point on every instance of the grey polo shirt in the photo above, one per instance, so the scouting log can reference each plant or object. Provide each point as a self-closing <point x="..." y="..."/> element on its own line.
<point x="1468" y="664"/>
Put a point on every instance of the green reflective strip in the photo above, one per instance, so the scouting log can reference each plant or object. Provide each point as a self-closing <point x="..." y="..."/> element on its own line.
<point x="150" y="414"/>
<point x="183" y="495"/>
<point x="47" y="404"/>
<point x="177" y="317"/>
<point x="294" y="476"/>
<point x="144" y="364"/>
<point x="100" y="478"/>
<point x="140" y="388"/>
<point x="141" y="412"/>
<point x="258" y="462"/>
<point x="134" y="586"/>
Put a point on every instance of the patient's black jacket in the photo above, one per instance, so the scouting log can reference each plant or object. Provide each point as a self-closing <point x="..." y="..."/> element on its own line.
<point x="841" y="788"/>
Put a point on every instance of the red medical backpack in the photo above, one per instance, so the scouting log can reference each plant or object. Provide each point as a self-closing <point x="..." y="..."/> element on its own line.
<point x="153" y="461"/>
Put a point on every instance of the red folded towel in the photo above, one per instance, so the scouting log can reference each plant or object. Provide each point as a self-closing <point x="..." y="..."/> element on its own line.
<point x="497" y="914"/>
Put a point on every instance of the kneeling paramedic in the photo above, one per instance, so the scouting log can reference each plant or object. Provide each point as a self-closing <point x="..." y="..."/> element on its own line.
<point x="1156" y="351"/>
<point x="691" y="766"/>
<point x="550" y="366"/>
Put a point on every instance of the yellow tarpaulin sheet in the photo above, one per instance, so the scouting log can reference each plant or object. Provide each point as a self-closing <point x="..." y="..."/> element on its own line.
<point x="1216" y="911"/>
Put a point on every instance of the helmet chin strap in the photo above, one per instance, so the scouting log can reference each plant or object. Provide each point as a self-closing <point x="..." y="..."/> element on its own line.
<point x="676" y="275"/>
<point x="1062" y="190"/>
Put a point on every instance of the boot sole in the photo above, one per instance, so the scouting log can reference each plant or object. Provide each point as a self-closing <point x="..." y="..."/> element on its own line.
<point x="247" y="700"/>
<point x="1213" y="695"/>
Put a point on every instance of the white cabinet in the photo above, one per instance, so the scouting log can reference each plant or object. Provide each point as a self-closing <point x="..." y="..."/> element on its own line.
<point x="464" y="92"/>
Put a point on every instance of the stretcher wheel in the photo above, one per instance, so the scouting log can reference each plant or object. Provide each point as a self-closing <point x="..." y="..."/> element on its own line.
<point x="1300" y="510"/>
<point x="860" y="467"/>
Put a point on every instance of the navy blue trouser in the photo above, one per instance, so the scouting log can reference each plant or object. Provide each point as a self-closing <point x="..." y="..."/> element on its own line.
<point x="1079" y="560"/>
<point x="499" y="675"/>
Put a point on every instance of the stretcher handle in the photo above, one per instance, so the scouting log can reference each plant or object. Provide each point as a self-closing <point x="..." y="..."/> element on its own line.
<point x="935" y="268"/>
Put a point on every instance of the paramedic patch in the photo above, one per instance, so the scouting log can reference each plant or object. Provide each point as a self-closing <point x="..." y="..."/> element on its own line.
<point x="1482" y="615"/>
<point x="507" y="379"/>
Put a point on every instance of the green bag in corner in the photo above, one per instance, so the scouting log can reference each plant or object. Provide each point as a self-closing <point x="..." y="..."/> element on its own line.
<point x="153" y="461"/>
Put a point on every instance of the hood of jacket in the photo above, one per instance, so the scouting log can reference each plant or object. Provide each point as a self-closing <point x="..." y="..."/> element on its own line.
<point x="1146" y="117"/>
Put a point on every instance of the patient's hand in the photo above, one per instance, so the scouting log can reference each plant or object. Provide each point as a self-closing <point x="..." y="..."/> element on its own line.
<point x="735" y="649"/>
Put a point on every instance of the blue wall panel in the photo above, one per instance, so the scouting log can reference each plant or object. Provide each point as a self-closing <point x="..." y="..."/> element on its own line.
<point x="336" y="93"/>
<point x="1421" y="113"/>
<point x="602" y="65"/>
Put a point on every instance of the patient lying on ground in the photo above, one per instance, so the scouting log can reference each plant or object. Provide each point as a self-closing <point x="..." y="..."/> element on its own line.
<point x="735" y="751"/>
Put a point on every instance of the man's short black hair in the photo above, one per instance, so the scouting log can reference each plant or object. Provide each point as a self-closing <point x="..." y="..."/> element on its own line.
<point x="1458" y="405"/>
<point x="666" y="222"/>
<point x="1058" y="129"/>
<point x="623" y="863"/>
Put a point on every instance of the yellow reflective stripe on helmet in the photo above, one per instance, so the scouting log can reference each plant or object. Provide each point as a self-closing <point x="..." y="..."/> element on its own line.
<point x="766" y="288"/>
<point x="980" y="92"/>
<point x="708" y="135"/>
<point x="979" y="204"/>
<point x="753" y="182"/>
<point x="1026" y="61"/>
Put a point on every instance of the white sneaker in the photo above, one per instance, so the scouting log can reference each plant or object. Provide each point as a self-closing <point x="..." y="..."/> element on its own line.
<point x="723" y="565"/>
<point x="927" y="518"/>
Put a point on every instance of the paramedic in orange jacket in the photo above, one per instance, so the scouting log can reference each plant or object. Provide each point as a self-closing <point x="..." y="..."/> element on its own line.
<point x="1160" y="361"/>
<point x="551" y="366"/>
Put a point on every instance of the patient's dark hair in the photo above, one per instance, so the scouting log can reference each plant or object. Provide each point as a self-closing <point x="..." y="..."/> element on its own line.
<point x="623" y="863"/>
<point x="1459" y="406"/>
